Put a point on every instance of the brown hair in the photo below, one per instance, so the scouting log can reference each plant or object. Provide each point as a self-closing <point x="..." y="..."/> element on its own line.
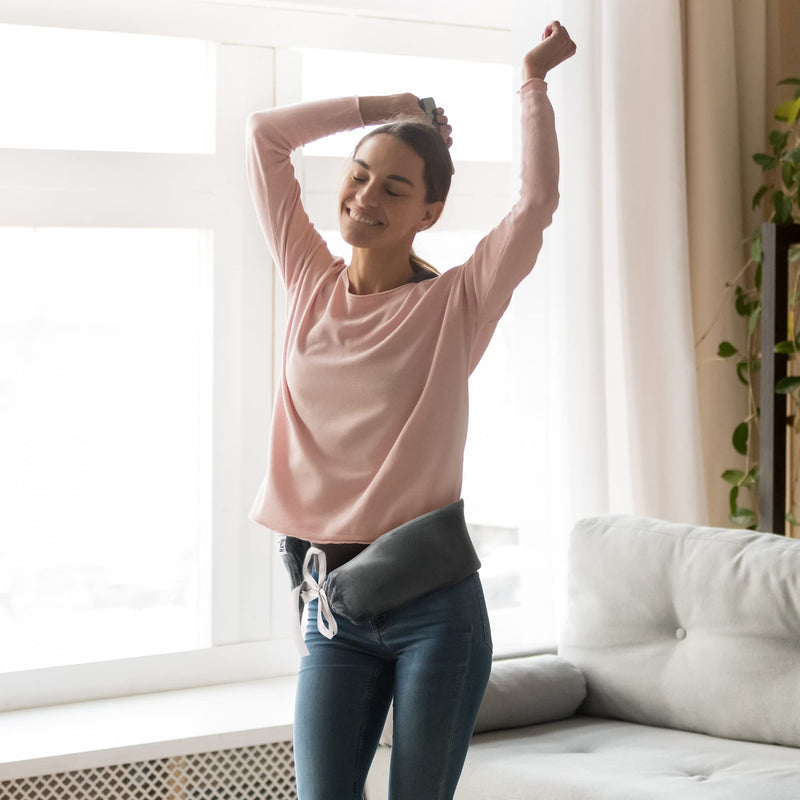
<point x="426" y="141"/>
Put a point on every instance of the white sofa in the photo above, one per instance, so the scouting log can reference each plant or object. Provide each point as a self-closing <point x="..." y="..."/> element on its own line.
<point x="677" y="676"/>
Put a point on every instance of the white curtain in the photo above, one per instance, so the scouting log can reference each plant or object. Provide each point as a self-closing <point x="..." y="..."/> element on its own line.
<point x="608" y="418"/>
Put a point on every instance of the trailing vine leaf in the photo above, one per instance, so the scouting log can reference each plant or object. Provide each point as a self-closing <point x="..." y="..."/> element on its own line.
<point x="734" y="476"/>
<point x="778" y="141"/>
<point x="740" y="437"/>
<point x="791" y="519"/>
<point x="783" y="207"/>
<point x="786" y="348"/>
<point x="765" y="161"/>
<point x="788" y="173"/>
<point x="741" y="372"/>
<point x="753" y="321"/>
<point x="762" y="190"/>
<point x="744" y="517"/>
<point x="726" y="350"/>
<point x="757" y="250"/>
<point x="732" y="501"/>
<point x="787" y="385"/>
<point x="788" y="111"/>
<point x="757" y="279"/>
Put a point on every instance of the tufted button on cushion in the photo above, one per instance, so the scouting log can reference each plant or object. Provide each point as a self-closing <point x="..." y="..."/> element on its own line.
<point x="680" y="634"/>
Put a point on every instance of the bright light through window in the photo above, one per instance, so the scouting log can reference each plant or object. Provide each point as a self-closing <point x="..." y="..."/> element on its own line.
<point x="97" y="90"/>
<point x="476" y="97"/>
<point x="104" y="351"/>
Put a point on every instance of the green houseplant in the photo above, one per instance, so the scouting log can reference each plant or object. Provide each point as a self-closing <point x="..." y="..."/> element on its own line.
<point x="779" y="198"/>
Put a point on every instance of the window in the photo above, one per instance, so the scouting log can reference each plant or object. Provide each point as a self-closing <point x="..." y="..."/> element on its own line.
<point x="131" y="329"/>
<point x="152" y="94"/>
<point x="104" y="346"/>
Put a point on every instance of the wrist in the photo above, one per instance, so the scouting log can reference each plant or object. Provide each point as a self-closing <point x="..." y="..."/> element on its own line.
<point x="533" y="70"/>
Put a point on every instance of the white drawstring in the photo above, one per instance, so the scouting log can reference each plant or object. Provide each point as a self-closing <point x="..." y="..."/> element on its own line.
<point x="311" y="589"/>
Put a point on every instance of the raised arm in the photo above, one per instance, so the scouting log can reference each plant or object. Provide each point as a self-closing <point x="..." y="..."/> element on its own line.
<point x="504" y="257"/>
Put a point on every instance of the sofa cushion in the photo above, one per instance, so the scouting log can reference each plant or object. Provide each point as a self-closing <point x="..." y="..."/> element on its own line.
<point x="686" y="627"/>
<point x="522" y="691"/>
<point x="529" y="690"/>
<point x="587" y="758"/>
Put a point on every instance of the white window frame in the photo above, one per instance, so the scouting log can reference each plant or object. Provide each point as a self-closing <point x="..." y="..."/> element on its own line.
<point x="247" y="614"/>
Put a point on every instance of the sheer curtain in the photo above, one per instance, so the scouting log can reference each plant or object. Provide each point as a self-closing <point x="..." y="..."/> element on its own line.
<point x="609" y="421"/>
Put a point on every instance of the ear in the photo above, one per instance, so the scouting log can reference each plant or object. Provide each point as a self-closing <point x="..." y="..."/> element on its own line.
<point x="432" y="213"/>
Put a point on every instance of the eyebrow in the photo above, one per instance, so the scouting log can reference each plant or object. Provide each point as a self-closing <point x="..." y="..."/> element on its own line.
<point x="400" y="178"/>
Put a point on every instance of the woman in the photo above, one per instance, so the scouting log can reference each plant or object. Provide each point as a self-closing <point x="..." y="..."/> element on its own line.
<point x="370" y="421"/>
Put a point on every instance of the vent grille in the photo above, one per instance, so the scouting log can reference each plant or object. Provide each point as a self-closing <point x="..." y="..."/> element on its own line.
<point x="259" y="772"/>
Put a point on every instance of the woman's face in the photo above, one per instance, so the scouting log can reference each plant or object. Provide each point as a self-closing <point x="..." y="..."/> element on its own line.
<point x="382" y="197"/>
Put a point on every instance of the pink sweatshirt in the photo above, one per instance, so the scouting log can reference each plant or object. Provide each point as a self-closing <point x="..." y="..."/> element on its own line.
<point x="370" y="419"/>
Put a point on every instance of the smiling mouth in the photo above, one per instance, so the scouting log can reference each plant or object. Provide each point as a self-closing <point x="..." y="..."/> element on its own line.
<point x="363" y="220"/>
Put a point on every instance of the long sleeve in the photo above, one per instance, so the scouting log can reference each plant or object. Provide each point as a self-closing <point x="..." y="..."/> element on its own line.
<point x="508" y="253"/>
<point x="272" y="135"/>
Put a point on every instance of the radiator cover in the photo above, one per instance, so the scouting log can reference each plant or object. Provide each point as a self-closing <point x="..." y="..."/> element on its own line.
<point x="265" y="772"/>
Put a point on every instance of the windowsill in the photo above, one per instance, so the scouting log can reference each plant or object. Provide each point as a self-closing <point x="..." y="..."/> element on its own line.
<point x="43" y="741"/>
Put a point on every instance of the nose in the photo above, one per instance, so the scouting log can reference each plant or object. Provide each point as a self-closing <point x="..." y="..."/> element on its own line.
<point x="366" y="194"/>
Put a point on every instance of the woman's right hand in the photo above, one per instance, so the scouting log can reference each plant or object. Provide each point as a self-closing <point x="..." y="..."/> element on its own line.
<point x="555" y="47"/>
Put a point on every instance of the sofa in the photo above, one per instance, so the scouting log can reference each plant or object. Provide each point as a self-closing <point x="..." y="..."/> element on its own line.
<point x="677" y="675"/>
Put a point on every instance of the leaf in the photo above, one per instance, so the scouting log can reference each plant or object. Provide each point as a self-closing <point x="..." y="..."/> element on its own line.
<point x="734" y="476"/>
<point x="754" y="317"/>
<point x="726" y="350"/>
<point x="788" y="111"/>
<point x="758" y="278"/>
<point x="791" y="519"/>
<point x="788" y="175"/>
<point x="783" y="207"/>
<point x="732" y="501"/>
<point x="785" y="348"/>
<point x="757" y="250"/>
<point x="743" y="307"/>
<point x="794" y="254"/>
<point x="788" y="82"/>
<point x="741" y="372"/>
<point x="787" y="385"/>
<point x="778" y="140"/>
<point x="793" y="157"/>
<point x="743" y="517"/>
<point x="762" y="190"/>
<point x="764" y="161"/>
<point x="740" y="438"/>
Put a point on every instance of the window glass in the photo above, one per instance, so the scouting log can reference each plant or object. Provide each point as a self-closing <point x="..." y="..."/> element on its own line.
<point x="476" y="97"/>
<point x="97" y="90"/>
<point x="104" y="335"/>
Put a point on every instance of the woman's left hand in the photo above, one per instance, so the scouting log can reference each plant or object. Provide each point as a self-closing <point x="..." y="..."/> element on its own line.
<point x="555" y="47"/>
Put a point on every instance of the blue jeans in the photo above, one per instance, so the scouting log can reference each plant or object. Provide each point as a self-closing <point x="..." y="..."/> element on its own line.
<point x="433" y="657"/>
